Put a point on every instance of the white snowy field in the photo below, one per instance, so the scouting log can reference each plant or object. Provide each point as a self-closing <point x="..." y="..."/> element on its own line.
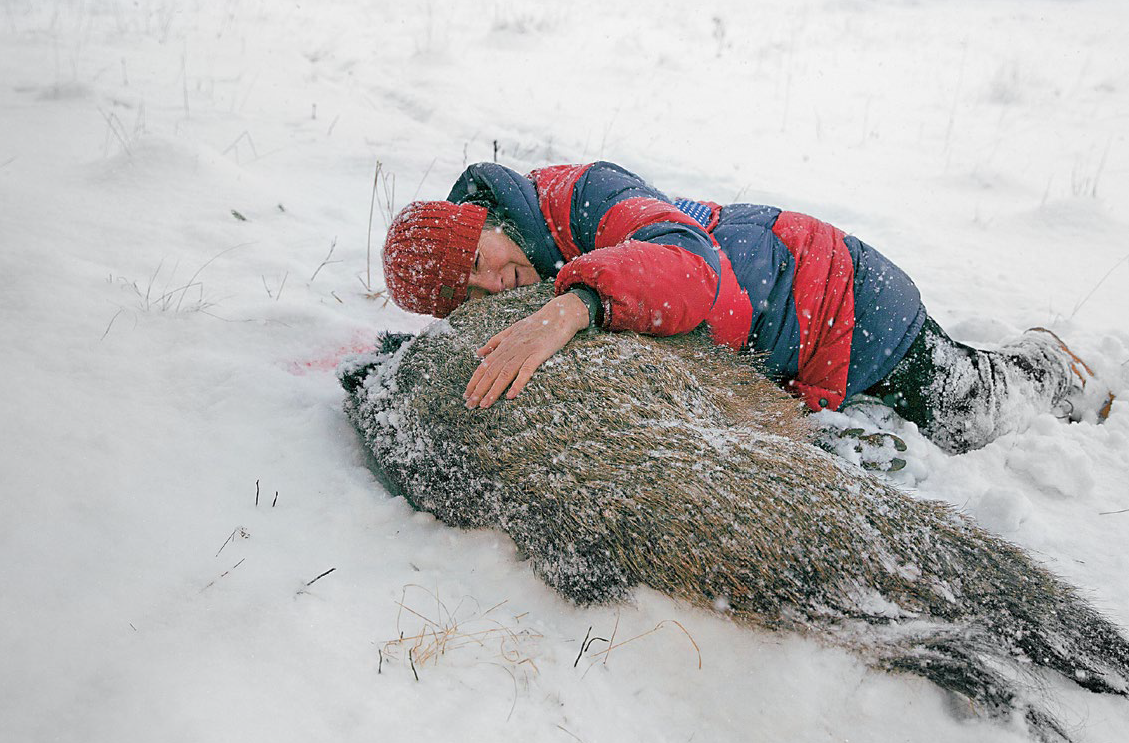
<point x="184" y="217"/>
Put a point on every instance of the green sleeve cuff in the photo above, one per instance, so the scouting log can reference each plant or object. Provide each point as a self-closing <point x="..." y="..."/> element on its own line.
<point x="592" y="301"/>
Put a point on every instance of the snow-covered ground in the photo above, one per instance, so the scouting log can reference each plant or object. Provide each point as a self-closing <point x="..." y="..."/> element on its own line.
<point x="184" y="206"/>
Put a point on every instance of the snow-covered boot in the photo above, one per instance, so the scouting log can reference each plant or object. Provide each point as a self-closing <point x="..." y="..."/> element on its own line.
<point x="1084" y="392"/>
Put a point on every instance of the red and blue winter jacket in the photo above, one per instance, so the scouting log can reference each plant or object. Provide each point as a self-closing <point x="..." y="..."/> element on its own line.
<point x="829" y="314"/>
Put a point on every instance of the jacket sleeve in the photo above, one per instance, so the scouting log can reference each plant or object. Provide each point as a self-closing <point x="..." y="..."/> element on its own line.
<point x="654" y="268"/>
<point x="646" y="287"/>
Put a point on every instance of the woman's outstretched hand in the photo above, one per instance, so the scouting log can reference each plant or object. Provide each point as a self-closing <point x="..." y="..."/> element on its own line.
<point x="511" y="356"/>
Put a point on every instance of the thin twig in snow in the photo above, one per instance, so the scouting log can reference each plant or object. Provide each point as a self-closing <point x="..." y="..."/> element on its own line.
<point x="315" y="580"/>
<point x="583" y="644"/>
<point x="413" y="611"/>
<point x="247" y="95"/>
<point x="387" y="198"/>
<point x="206" y="264"/>
<point x="326" y="261"/>
<point x="503" y="602"/>
<point x="569" y="733"/>
<point x="107" y="331"/>
<point x="240" y="531"/>
<point x="611" y="642"/>
<point x="513" y="678"/>
<point x="1085" y="299"/>
<point x="374" y="294"/>
<point x="656" y="628"/>
<point x="222" y="575"/>
<point x="368" y="244"/>
<point x="115" y="125"/>
<point x="166" y="298"/>
<point x="403" y="598"/>
<point x="424" y="178"/>
<point x="235" y="144"/>
<point x="149" y="287"/>
<point x="227" y="541"/>
<point x="1101" y="167"/>
<point x="184" y="78"/>
<point x="260" y="320"/>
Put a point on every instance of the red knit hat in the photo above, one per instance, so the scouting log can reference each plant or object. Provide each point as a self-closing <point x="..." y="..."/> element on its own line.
<point x="429" y="253"/>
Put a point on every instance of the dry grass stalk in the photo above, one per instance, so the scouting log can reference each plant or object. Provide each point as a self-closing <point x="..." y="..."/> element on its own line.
<point x="451" y="630"/>
<point x="384" y="196"/>
<point x="612" y="644"/>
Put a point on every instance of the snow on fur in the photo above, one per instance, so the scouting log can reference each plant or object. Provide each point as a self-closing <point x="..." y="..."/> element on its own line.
<point x="670" y="463"/>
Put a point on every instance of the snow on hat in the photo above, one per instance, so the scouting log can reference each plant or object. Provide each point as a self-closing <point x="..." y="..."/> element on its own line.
<point x="429" y="253"/>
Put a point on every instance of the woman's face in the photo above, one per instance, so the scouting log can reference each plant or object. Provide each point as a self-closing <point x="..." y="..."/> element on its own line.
<point x="499" y="265"/>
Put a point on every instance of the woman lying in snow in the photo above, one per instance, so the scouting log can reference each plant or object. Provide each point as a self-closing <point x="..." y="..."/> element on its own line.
<point x="830" y="316"/>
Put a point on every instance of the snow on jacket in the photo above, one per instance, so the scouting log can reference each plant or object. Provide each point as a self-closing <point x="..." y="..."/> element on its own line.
<point x="830" y="314"/>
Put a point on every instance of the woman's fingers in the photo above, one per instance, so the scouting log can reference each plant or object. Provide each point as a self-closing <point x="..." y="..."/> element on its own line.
<point x="505" y="365"/>
<point x="493" y="342"/>
<point x="512" y="356"/>
<point x="472" y="385"/>
<point x="485" y="369"/>
<point x="524" y="374"/>
<point x="495" y="373"/>
<point x="492" y="383"/>
<point x="505" y="375"/>
<point x="514" y="371"/>
<point x="490" y="370"/>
